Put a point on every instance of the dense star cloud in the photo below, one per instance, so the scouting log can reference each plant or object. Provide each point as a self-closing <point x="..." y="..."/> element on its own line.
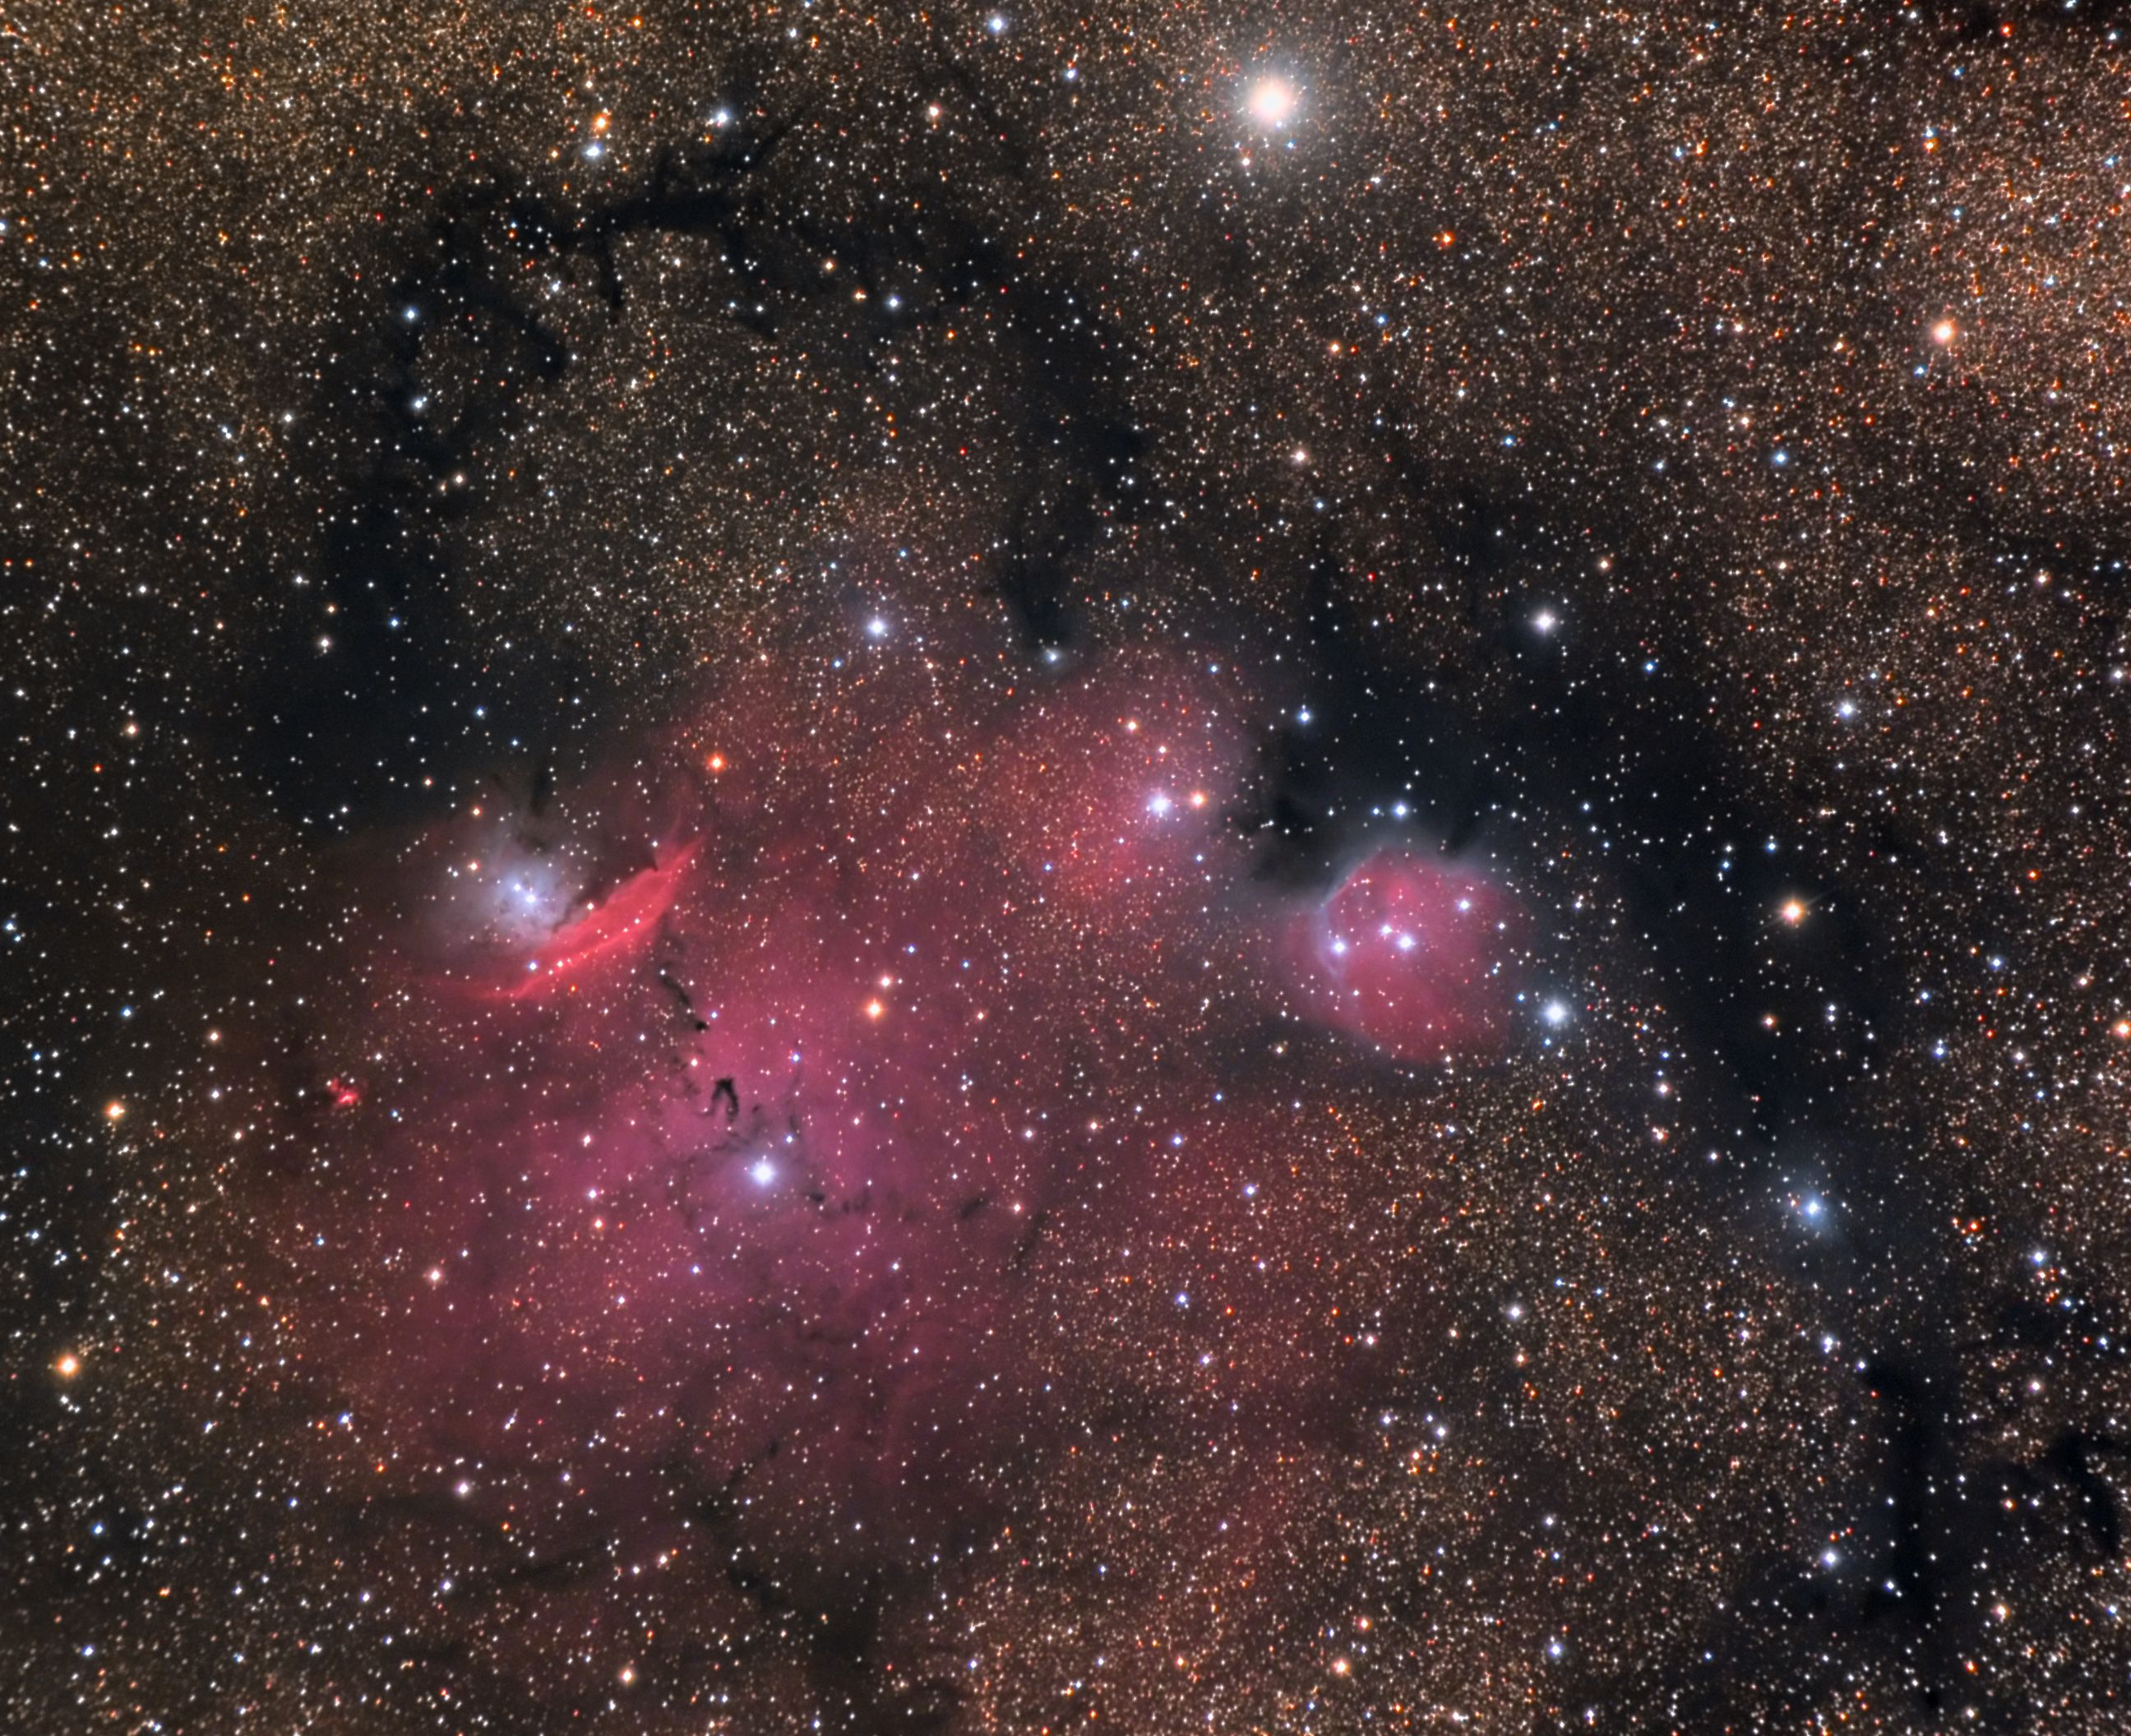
<point x="1003" y="871"/>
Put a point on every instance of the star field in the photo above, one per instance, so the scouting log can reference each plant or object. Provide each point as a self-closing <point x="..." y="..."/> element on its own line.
<point x="1251" y="871"/>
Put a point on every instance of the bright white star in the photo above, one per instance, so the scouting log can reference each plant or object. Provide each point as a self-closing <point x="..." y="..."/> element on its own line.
<point x="1272" y="101"/>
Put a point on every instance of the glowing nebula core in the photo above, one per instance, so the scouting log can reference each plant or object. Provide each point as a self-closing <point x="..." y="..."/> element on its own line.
<point x="1408" y="952"/>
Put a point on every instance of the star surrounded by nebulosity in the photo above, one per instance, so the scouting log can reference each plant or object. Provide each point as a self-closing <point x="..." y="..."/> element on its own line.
<point x="1004" y="871"/>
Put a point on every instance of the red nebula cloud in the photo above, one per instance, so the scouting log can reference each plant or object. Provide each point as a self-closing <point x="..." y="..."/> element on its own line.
<point x="1122" y="792"/>
<point x="1409" y="952"/>
<point x="834" y="1175"/>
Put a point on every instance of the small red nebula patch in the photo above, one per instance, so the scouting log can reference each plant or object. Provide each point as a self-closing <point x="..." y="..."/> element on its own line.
<point x="1408" y="953"/>
<point x="345" y="1093"/>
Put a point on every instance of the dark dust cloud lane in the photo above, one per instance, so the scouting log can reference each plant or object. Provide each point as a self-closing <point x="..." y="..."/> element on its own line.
<point x="1004" y="871"/>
